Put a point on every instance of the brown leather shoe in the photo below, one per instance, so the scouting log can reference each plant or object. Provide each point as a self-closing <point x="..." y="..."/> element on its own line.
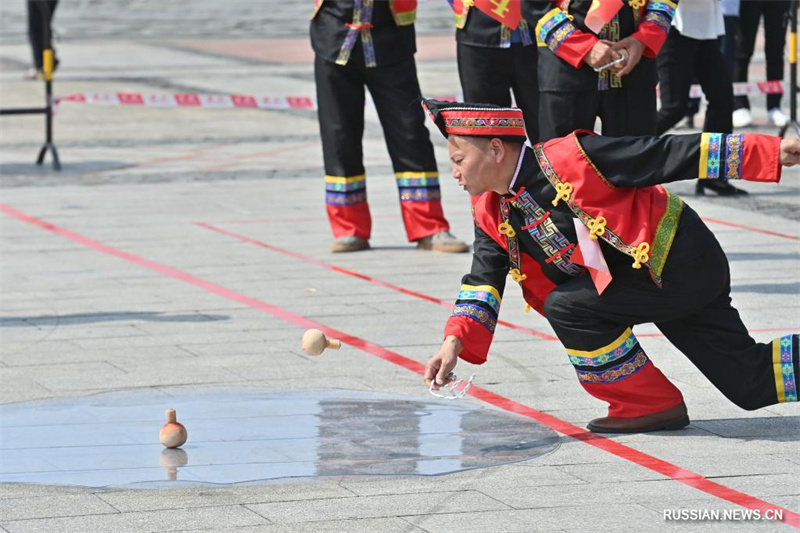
<point x="349" y="243"/>
<point x="673" y="418"/>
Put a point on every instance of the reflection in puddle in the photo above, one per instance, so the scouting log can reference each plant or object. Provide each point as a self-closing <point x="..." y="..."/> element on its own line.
<point x="249" y="435"/>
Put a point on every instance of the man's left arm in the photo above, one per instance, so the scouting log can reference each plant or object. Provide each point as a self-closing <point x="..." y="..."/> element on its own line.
<point x="644" y="161"/>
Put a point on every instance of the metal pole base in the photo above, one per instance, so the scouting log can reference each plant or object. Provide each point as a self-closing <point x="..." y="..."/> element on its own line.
<point x="52" y="147"/>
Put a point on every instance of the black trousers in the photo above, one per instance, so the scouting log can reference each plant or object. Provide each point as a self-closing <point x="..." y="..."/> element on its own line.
<point x="395" y="91"/>
<point x="40" y="17"/>
<point x="680" y="59"/>
<point x="693" y="310"/>
<point x="622" y="111"/>
<point x="775" y="14"/>
<point x="488" y="75"/>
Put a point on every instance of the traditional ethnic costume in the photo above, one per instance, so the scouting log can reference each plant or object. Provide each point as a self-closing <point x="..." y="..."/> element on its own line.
<point x="366" y="43"/>
<point x="572" y="95"/>
<point x="598" y="246"/>
<point x="496" y="53"/>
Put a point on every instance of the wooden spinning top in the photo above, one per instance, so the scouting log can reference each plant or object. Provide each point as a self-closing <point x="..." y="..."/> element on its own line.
<point x="172" y="434"/>
<point x="314" y="342"/>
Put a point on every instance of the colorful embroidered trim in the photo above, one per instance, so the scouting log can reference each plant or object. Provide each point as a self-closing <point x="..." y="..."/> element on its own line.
<point x="554" y="28"/>
<point x="417" y="179"/>
<point x="656" y="17"/>
<point x="476" y="313"/>
<point x="666" y="7"/>
<point x="347" y="199"/>
<point x="733" y="156"/>
<point x="482" y="293"/>
<point x="615" y="350"/>
<point x="505" y="36"/>
<point x="362" y="17"/>
<point x="710" y="150"/>
<point x="420" y="195"/>
<point x="513" y="243"/>
<point x="342" y="190"/>
<point x="784" y="366"/>
<point x="615" y="373"/>
<point x="493" y="126"/>
<point x="606" y="79"/>
<point x="665" y="233"/>
<point x="525" y="33"/>
<point x="546" y="234"/>
<point x="343" y="184"/>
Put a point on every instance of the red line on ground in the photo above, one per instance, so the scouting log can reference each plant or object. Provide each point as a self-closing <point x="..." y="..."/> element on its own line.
<point x="748" y="228"/>
<point x="655" y="464"/>
<point x="409" y="292"/>
<point x="380" y="283"/>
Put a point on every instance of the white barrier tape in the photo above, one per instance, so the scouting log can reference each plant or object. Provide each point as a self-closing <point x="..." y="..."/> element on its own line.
<point x="224" y="101"/>
<point x="206" y="101"/>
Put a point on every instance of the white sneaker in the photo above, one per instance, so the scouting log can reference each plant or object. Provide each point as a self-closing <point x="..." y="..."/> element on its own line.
<point x="742" y="118"/>
<point x="777" y="117"/>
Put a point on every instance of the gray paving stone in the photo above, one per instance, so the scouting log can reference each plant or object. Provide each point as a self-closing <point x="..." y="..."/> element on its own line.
<point x="27" y="508"/>
<point x="377" y="506"/>
<point x="568" y="517"/>
<point x="171" y="520"/>
<point x="145" y="500"/>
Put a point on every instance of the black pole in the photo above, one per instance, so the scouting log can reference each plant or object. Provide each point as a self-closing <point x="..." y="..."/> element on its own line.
<point x="48" y="65"/>
<point x="792" y="72"/>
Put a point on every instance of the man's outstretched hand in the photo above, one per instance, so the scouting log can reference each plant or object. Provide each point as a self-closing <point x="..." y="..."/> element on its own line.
<point x="440" y="365"/>
<point x="790" y="152"/>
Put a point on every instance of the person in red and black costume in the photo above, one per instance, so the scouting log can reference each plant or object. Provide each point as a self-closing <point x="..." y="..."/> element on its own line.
<point x="598" y="246"/>
<point x="497" y="54"/>
<point x="360" y="43"/>
<point x="572" y="94"/>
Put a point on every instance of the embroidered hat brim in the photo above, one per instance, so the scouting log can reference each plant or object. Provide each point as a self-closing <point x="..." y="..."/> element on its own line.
<point x="476" y="120"/>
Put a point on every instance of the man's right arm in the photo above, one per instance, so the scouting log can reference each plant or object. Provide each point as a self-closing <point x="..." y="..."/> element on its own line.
<point x="477" y="306"/>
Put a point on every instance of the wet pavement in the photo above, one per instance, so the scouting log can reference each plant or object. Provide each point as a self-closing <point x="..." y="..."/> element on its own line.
<point x="111" y="440"/>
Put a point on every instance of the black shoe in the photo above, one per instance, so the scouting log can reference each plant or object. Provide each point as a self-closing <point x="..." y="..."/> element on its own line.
<point x="722" y="188"/>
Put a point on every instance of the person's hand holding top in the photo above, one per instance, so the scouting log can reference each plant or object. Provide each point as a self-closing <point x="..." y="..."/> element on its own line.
<point x="790" y="152"/>
<point x="440" y="365"/>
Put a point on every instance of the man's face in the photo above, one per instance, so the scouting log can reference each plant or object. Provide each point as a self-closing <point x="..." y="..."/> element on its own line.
<point x="473" y="163"/>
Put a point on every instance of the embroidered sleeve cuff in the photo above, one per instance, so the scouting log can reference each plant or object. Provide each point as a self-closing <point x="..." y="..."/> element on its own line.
<point x="557" y="32"/>
<point x="751" y="156"/>
<point x="760" y="157"/>
<point x="473" y="336"/>
<point x="652" y="36"/>
<point x="655" y="25"/>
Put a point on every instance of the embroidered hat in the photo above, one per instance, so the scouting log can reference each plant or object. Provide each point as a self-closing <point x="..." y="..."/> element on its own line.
<point x="476" y="120"/>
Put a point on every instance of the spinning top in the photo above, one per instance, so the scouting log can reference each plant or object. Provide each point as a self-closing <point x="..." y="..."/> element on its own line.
<point x="172" y="434"/>
<point x="314" y="342"/>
